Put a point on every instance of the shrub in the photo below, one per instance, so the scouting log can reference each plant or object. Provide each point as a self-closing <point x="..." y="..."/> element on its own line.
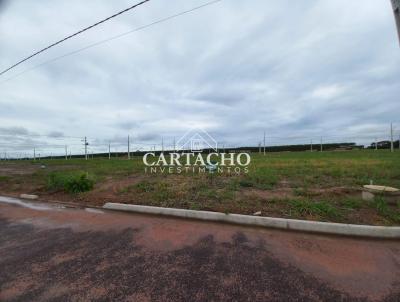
<point x="77" y="185"/>
<point x="73" y="183"/>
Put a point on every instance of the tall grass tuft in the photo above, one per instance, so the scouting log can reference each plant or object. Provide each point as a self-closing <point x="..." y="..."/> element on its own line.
<point x="70" y="183"/>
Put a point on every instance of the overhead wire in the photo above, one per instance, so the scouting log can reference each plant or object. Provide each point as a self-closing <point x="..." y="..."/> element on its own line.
<point x="72" y="35"/>
<point x="111" y="39"/>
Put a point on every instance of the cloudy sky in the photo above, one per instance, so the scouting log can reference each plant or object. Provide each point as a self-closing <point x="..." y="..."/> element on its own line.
<point x="296" y="69"/>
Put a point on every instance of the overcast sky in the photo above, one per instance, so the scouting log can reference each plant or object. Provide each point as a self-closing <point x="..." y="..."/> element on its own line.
<point x="301" y="68"/>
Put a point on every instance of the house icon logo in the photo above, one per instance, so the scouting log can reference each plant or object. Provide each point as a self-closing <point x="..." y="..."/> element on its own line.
<point x="196" y="140"/>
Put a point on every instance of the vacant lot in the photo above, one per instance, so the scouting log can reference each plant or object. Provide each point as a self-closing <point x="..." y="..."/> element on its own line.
<point x="316" y="186"/>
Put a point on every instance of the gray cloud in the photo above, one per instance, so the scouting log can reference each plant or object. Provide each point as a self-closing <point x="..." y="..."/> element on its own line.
<point x="2" y="4"/>
<point x="14" y="131"/>
<point x="56" y="134"/>
<point x="303" y="69"/>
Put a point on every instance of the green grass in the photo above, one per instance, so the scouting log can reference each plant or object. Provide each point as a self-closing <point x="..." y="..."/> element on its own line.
<point x="144" y="186"/>
<point x="352" y="203"/>
<point x="307" y="207"/>
<point x="302" y="169"/>
<point x="383" y="209"/>
<point x="4" y="178"/>
<point x="73" y="183"/>
<point x="327" y="168"/>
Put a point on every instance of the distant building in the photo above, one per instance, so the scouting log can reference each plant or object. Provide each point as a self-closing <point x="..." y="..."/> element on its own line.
<point x="396" y="9"/>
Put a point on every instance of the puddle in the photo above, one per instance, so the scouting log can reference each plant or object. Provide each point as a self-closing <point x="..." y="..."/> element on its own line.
<point x="16" y="201"/>
<point x="90" y="210"/>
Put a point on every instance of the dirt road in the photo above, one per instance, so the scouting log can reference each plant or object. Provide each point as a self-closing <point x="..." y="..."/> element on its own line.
<point x="58" y="254"/>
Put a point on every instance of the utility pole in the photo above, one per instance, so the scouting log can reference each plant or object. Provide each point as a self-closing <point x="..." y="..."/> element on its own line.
<point x="109" y="151"/>
<point x="321" y="143"/>
<point x="311" y="146"/>
<point x="264" y="143"/>
<point x="86" y="144"/>
<point x="174" y="144"/>
<point x="34" y="154"/>
<point x="129" y="151"/>
<point x="162" y="145"/>
<point x="391" y="137"/>
<point x="376" y="144"/>
<point x="66" y="152"/>
<point x="396" y="10"/>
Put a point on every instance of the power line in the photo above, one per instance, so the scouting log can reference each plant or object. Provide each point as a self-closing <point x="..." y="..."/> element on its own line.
<point x="112" y="38"/>
<point x="73" y="35"/>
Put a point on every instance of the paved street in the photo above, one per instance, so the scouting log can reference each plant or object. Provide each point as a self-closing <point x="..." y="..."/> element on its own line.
<point x="58" y="254"/>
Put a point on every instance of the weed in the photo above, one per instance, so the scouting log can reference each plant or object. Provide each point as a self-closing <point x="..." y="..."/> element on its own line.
<point x="4" y="178"/>
<point x="70" y="183"/>
<point x="306" y="207"/>
<point x="352" y="203"/>
<point x="226" y="195"/>
<point x="162" y="192"/>
<point x="78" y="185"/>
<point x="263" y="179"/>
<point x="144" y="186"/>
<point x="233" y="185"/>
<point x="194" y="206"/>
<point x="246" y="183"/>
<point x="381" y="205"/>
<point x="383" y="209"/>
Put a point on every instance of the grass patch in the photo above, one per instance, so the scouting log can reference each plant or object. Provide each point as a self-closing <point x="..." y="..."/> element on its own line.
<point x="162" y="192"/>
<point x="4" y="178"/>
<point x="384" y="210"/>
<point x="352" y="203"/>
<point x="144" y="187"/>
<point x="381" y="205"/>
<point x="300" y="192"/>
<point x="245" y="183"/>
<point x="70" y="183"/>
<point x="194" y="206"/>
<point x="307" y="207"/>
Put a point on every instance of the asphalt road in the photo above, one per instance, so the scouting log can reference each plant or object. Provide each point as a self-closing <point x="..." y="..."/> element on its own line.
<point x="55" y="254"/>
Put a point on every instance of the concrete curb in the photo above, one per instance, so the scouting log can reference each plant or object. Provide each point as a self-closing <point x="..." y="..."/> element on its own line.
<point x="277" y="223"/>
<point x="28" y="196"/>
